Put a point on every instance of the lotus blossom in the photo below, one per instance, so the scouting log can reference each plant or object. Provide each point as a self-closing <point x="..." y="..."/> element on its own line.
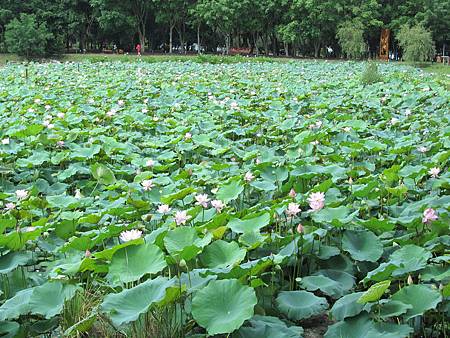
<point x="316" y="200"/>
<point x="249" y="176"/>
<point x="218" y="205"/>
<point x="315" y="143"/>
<point x="50" y="126"/>
<point x="300" y="228"/>
<point x="293" y="209"/>
<point x="347" y="129"/>
<point x="130" y="235"/>
<point x="188" y="136"/>
<point x="202" y="199"/>
<point x="144" y="110"/>
<point x="394" y="121"/>
<point x="10" y="206"/>
<point x="434" y="172"/>
<point x="422" y="149"/>
<point x="60" y="144"/>
<point x="30" y="110"/>
<point x="150" y="163"/>
<point x="5" y="141"/>
<point x="21" y="194"/>
<point x="292" y="193"/>
<point x="147" y="185"/>
<point x="111" y="113"/>
<point x="37" y="101"/>
<point x="429" y="215"/>
<point x="87" y="253"/>
<point x="61" y="115"/>
<point x="181" y="217"/>
<point x="121" y="102"/>
<point x="163" y="209"/>
<point x="47" y="107"/>
<point x="408" y="112"/>
<point x="46" y="123"/>
<point x="78" y="194"/>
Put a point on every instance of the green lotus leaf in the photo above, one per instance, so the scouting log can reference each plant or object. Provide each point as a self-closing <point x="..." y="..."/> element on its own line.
<point x="362" y="245"/>
<point x="126" y="306"/>
<point x="297" y="305"/>
<point x="130" y="263"/>
<point x="221" y="254"/>
<point x="347" y="306"/>
<point x="103" y="174"/>
<point x="12" y="260"/>
<point x="375" y="292"/>
<point x="362" y="326"/>
<point x="268" y="327"/>
<point x="223" y="306"/>
<point x="421" y="297"/>
<point x="249" y="225"/>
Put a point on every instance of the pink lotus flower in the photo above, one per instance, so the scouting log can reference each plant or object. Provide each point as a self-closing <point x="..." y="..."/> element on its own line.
<point x="434" y="172"/>
<point x="163" y="209"/>
<point x="316" y="201"/>
<point x="10" y="206"/>
<point x="300" y="228"/>
<point x="5" y="141"/>
<point x="61" y="115"/>
<point x="121" y="102"/>
<point x="150" y="163"/>
<point x="21" y="194"/>
<point x="130" y="235"/>
<point x="181" y="217"/>
<point x="60" y="144"/>
<point x="147" y="185"/>
<point x="202" y="199"/>
<point x="47" y="107"/>
<point x="218" y="205"/>
<point x="249" y="176"/>
<point x="293" y="209"/>
<point x="292" y="193"/>
<point x="87" y="253"/>
<point x="50" y="126"/>
<point x="144" y="110"/>
<point x="187" y="136"/>
<point x="429" y="215"/>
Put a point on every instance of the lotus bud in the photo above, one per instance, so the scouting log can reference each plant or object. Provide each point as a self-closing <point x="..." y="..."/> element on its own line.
<point x="410" y="280"/>
<point x="45" y="234"/>
<point x="183" y="263"/>
<point x="87" y="253"/>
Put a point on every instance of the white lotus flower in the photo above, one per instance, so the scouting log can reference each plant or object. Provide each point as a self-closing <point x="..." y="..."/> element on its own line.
<point x="130" y="235"/>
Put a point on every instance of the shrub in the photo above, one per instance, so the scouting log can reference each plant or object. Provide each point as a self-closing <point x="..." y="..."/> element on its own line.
<point x="370" y="74"/>
<point x="416" y="42"/>
<point x="351" y="39"/>
<point x="25" y="37"/>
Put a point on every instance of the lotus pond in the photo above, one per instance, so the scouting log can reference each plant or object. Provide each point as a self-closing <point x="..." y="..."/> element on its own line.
<point x="243" y="200"/>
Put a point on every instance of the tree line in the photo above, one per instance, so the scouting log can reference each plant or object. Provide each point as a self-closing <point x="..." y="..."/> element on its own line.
<point x="272" y="27"/>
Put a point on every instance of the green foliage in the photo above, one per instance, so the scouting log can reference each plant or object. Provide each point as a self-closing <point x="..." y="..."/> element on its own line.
<point x="26" y="37"/>
<point x="416" y="42"/>
<point x="85" y="250"/>
<point x="351" y="39"/>
<point x="370" y="74"/>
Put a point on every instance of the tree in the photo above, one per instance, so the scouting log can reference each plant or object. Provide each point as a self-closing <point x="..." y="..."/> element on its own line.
<point x="137" y="10"/>
<point x="25" y="37"/>
<point x="417" y="43"/>
<point x="174" y="13"/>
<point x="351" y="39"/>
<point x="220" y="15"/>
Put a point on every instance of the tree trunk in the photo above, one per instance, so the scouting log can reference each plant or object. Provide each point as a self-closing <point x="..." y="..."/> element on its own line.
<point x="286" y="49"/>
<point x="227" y="43"/>
<point x="142" y="39"/>
<point x="316" y="49"/>
<point x="180" y="36"/>
<point x="198" y="40"/>
<point x="171" y="39"/>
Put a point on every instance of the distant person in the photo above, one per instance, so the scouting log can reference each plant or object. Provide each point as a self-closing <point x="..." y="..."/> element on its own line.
<point x="138" y="49"/>
<point x="115" y="49"/>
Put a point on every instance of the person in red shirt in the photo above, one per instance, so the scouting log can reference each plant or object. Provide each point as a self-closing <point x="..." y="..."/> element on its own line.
<point x="138" y="49"/>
